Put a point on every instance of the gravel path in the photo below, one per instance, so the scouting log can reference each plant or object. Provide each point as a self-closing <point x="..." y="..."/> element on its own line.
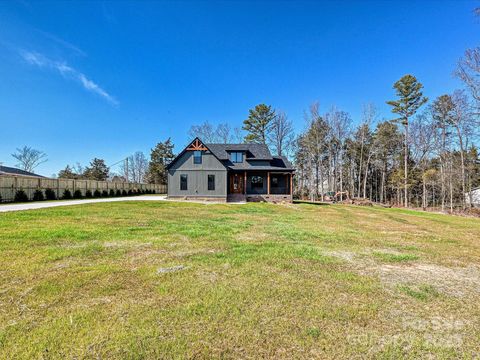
<point x="48" y="204"/>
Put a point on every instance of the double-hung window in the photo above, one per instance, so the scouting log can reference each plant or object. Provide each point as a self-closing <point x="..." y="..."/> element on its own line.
<point x="236" y="157"/>
<point x="183" y="182"/>
<point x="211" y="182"/>
<point x="197" y="157"/>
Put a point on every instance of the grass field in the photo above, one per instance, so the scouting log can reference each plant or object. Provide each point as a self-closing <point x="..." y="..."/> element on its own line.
<point x="179" y="280"/>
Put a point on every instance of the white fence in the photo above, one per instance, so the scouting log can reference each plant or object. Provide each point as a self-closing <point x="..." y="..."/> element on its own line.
<point x="10" y="184"/>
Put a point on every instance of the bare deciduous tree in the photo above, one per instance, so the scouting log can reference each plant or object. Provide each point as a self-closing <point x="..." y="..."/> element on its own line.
<point x="222" y="133"/>
<point x="29" y="158"/>
<point x="206" y="132"/>
<point x="137" y="167"/>
<point x="281" y="134"/>
<point x="468" y="70"/>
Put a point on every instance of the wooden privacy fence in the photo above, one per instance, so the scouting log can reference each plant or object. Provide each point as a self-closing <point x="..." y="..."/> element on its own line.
<point x="10" y="184"/>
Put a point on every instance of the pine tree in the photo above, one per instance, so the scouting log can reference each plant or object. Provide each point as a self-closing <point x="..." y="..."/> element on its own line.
<point x="410" y="99"/>
<point x="97" y="170"/>
<point x="160" y="156"/>
<point x="258" y="124"/>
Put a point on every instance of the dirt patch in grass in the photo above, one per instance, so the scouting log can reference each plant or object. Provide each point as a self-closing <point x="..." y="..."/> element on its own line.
<point x="417" y="279"/>
<point x="457" y="282"/>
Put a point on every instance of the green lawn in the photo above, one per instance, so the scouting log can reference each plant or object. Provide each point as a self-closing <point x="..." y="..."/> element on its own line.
<point x="149" y="280"/>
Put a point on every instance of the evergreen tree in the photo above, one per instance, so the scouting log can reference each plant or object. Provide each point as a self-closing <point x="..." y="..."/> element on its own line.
<point x="67" y="173"/>
<point x="160" y="157"/>
<point x="97" y="170"/>
<point x="258" y="124"/>
<point x="410" y="99"/>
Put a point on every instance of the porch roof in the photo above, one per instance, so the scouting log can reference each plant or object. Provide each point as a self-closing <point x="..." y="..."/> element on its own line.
<point x="278" y="163"/>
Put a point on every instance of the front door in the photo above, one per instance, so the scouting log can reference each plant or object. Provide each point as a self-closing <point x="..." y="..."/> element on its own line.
<point x="236" y="184"/>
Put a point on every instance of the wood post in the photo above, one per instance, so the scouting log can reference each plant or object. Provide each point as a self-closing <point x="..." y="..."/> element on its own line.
<point x="291" y="184"/>
<point x="268" y="183"/>
<point x="245" y="184"/>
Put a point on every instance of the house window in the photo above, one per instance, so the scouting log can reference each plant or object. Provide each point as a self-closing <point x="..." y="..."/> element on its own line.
<point x="236" y="157"/>
<point x="197" y="157"/>
<point x="183" y="182"/>
<point x="257" y="182"/>
<point x="274" y="182"/>
<point x="211" y="182"/>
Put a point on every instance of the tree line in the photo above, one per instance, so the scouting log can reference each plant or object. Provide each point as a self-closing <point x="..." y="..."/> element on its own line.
<point x="134" y="168"/>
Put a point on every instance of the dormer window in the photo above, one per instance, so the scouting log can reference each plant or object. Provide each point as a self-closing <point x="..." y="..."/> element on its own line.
<point x="236" y="157"/>
<point x="197" y="157"/>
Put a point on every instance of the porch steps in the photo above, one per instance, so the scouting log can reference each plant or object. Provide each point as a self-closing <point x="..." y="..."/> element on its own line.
<point x="236" y="198"/>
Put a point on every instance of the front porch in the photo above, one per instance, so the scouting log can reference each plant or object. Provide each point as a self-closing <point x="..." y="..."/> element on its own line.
<point x="270" y="186"/>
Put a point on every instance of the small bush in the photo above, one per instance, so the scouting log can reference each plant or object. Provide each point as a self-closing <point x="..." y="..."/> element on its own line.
<point x="88" y="194"/>
<point x="77" y="194"/>
<point x="104" y="193"/>
<point x="124" y="193"/>
<point x="20" y="196"/>
<point x="0" y="198"/>
<point x="50" y="194"/>
<point x="130" y="192"/>
<point x="153" y="191"/>
<point x="111" y="193"/>
<point x="38" y="195"/>
<point x="97" y="193"/>
<point x="118" y="193"/>
<point x="67" y="195"/>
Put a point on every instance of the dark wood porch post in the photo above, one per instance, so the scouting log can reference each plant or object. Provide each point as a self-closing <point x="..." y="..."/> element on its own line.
<point x="291" y="184"/>
<point x="245" y="184"/>
<point x="268" y="183"/>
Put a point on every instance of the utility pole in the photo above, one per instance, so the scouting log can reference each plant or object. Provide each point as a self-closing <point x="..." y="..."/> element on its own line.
<point x="126" y="169"/>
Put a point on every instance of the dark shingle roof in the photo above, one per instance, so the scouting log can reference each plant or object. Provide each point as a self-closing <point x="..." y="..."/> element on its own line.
<point x="253" y="151"/>
<point x="278" y="163"/>
<point x="6" y="170"/>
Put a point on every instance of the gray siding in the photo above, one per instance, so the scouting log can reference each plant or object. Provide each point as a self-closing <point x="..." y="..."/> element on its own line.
<point x="197" y="184"/>
<point x="209" y="162"/>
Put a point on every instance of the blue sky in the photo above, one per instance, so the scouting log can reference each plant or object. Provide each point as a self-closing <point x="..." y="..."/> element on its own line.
<point x="105" y="79"/>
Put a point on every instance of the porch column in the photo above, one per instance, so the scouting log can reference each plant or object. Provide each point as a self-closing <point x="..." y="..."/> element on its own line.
<point x="291" y="184"/>
<point x="268" y="183"/>
<point x="245" y="184"/>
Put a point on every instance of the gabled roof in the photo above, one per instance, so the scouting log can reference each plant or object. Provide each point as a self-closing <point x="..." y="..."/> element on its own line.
<point x="253" y="151"/>
<point x="6" y="170"/>
<point x="195" y="143"/>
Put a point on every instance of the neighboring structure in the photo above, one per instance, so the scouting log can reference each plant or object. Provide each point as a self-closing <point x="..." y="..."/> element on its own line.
<point x="475" y="197"/>
<point x="230" y="172"/>
<point x="10" y="171"/>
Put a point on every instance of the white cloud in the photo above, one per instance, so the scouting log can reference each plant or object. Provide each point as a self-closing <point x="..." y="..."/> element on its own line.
<point x="37" y="59"/>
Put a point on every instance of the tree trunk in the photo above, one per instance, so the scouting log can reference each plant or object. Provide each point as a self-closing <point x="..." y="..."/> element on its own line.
<point x="460" y="140"/>
<point x="406" y="163"/>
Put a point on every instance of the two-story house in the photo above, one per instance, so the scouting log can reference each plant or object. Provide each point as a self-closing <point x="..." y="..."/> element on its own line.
<point x="230" y="172"/>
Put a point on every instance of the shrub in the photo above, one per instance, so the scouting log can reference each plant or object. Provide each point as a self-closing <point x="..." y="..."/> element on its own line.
<point x="111" y="193"/>
<point x="67" y="195"/>
<point x="153" y="191"/>
<point x="118" y="193"/>
<point x="130" y="192"/>
<point x="20" y="196"/>
<point x="104" y="193"/>
<point x="97" y="193"/>
<point x="50" y="194"/>
<point x="38" y="195"/>
<point x="77" y="194"/>
<point x="88" y="194"/>
<point x="124" y="193"/>
<point x="0" y="198"/>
